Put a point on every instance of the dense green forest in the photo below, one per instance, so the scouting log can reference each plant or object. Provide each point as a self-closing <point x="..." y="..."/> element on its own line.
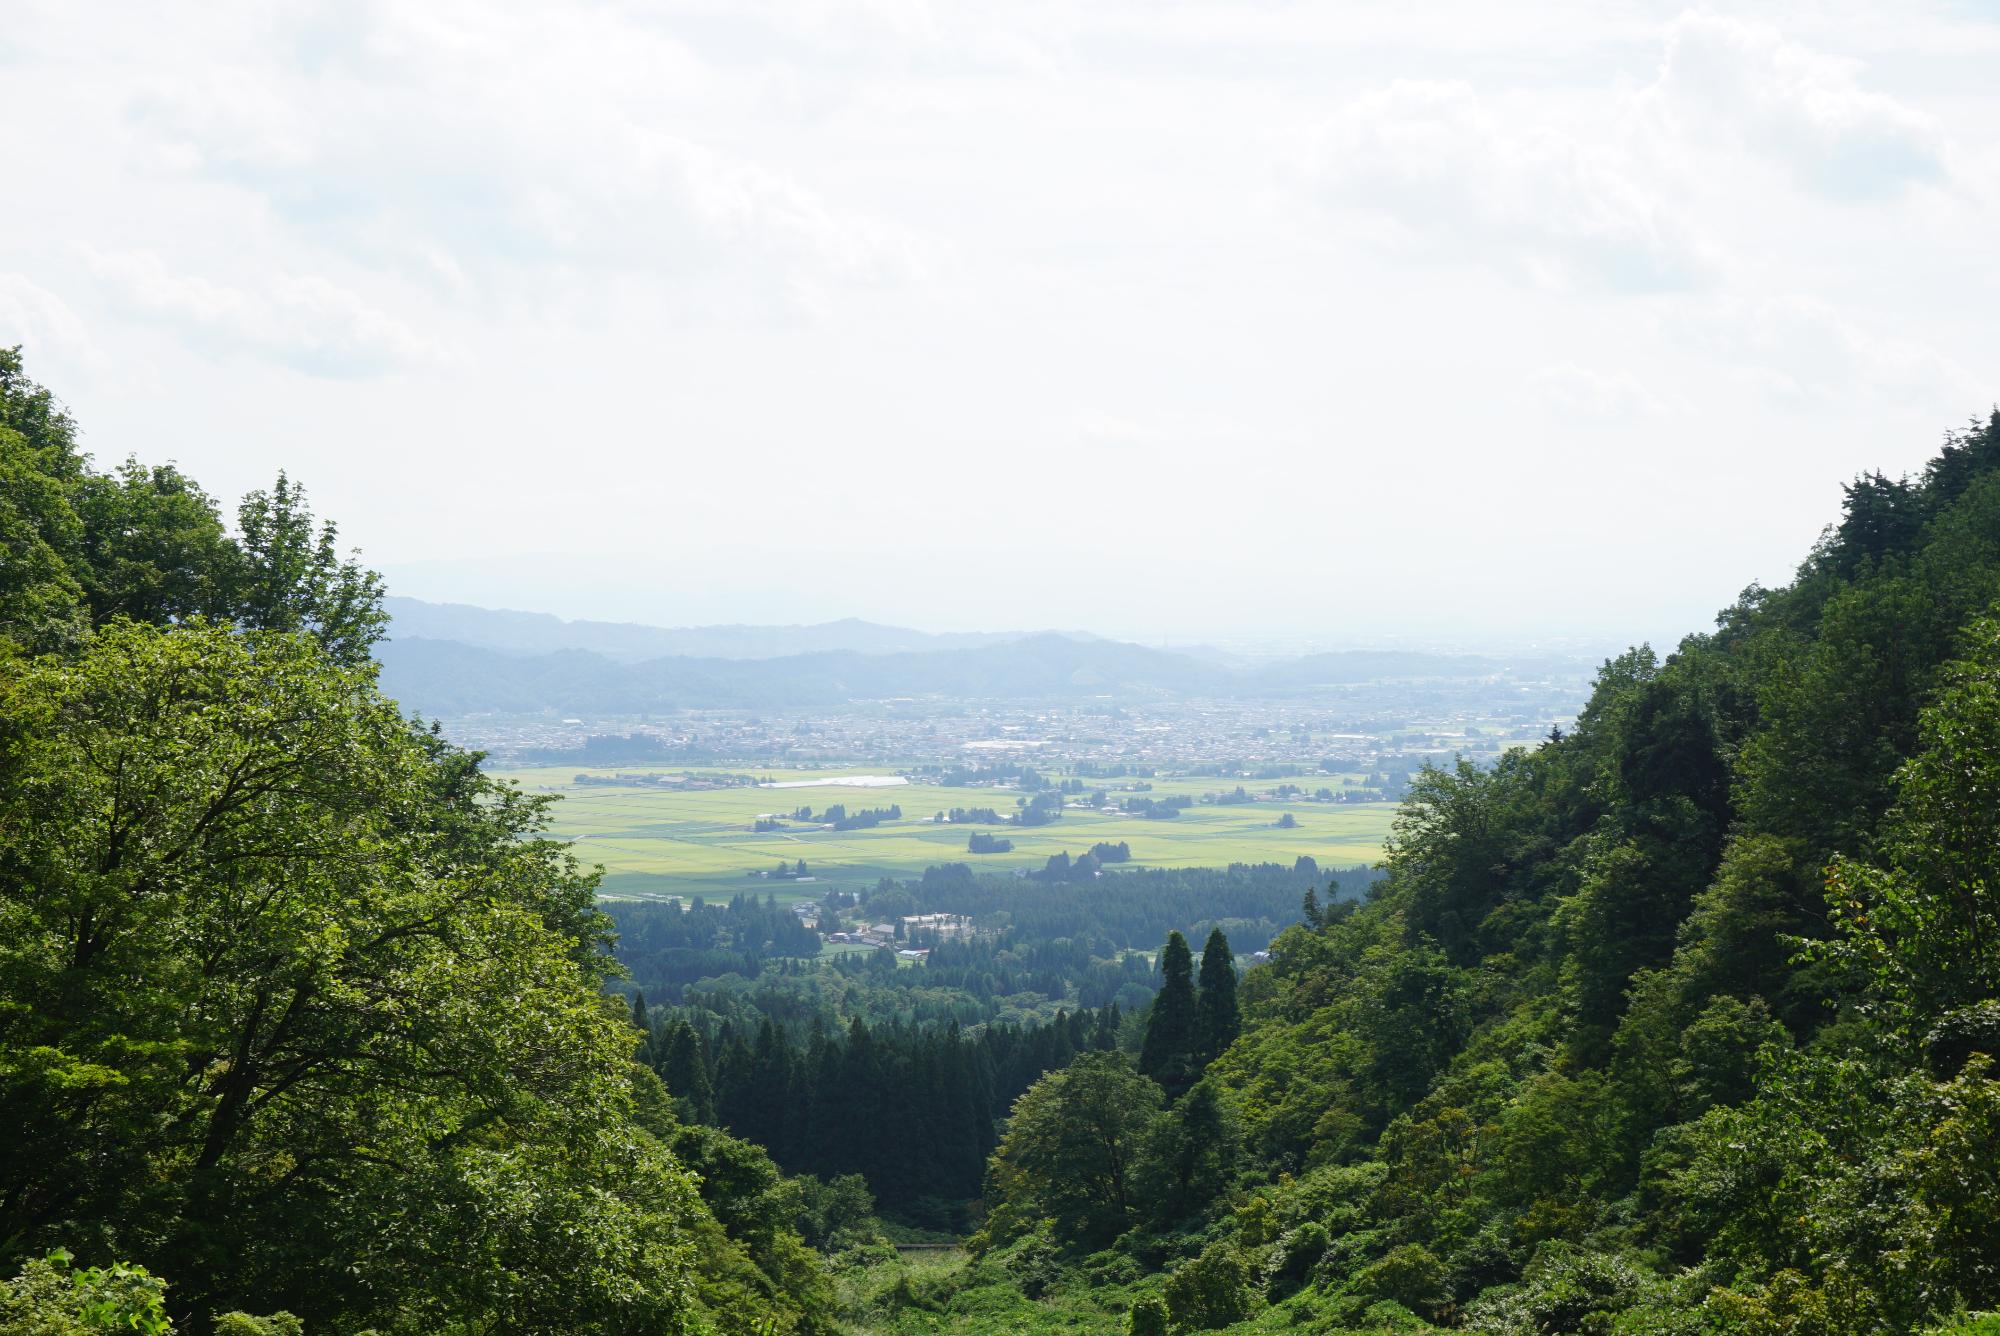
<point x="860" y="1065"/>
<point x="1684" y="1022"/>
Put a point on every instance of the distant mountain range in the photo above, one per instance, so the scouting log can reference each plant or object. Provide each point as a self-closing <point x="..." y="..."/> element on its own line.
<point x="446" y="660"/>
<point x="629" y="642"/>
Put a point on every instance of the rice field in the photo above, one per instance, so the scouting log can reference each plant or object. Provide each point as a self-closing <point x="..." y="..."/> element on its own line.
<point x="657" y="842"/>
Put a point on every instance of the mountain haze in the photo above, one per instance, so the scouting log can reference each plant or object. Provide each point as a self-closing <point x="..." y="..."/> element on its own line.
<point x="450" y="677"/>
<point x="512" y="632"/>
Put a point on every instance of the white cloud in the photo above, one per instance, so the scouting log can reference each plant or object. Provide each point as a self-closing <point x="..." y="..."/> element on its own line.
<point x="1579" y="391"/>
<point x="501" y="151"/>
<point x="1048" y="250"/>
<point x="1801" y="347"/>
<point x="1545" y="204"/>
<point x="303" y="321"/>
<point x="35" y="317"/>
<point x="1746" y="82"/>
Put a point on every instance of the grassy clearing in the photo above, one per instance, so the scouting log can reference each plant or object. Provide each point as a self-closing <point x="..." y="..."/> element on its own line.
<point x="659" y="842"/>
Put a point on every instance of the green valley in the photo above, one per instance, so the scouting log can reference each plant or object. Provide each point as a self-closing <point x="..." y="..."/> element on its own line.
<point x="654" y="841"/>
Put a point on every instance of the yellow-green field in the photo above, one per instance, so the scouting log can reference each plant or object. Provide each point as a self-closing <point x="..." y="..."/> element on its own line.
<point x="660" y="842"/>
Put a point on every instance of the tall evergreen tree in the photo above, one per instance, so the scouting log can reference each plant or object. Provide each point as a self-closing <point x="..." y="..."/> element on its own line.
<point x="1168" y="1053"/>
<point x="1217" y="1017"/>
<point x="685" y="1071"/>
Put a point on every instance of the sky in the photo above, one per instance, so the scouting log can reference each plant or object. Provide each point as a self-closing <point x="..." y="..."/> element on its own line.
<point x="1217" y="319"/>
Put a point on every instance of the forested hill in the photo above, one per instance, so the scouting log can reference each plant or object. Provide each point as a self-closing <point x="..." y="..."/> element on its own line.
<point x="1687" y="1021"/>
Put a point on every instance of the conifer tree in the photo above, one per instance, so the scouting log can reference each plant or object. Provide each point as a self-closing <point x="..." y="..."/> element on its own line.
<point x="639" y="1022"/>
<point x="1106" y="1037"/>
<point x="1168" y="1053"/>
<point x="1217" y="1017"/>
<point x="685" y="1071"/>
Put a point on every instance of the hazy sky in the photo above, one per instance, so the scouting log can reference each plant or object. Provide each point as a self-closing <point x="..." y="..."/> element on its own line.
<point x="1189" y="319"/>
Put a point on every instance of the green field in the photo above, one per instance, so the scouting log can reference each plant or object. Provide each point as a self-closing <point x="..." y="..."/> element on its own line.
<point x="660" y="842"/>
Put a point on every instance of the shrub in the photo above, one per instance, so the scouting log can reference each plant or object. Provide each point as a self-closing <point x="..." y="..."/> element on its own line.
<point x="1148" y="1316"/>
<point x="1211" y="1291"/>
<point x="1293" y="1260"/>
<point x="242" y="1324"/>
<point x="1034" y="1261"/>
<point x="53" y="1298"/>
<point x="1409" y="1275"/>
<point x="1565" y="1289"/>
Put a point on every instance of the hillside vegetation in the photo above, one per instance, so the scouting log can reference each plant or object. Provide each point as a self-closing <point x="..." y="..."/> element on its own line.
<point x="1686" y="1021"/>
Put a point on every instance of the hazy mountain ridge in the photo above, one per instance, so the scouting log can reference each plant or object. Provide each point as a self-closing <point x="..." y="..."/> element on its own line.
<point x="446" y="677"/>
<point x="520" y="633"/>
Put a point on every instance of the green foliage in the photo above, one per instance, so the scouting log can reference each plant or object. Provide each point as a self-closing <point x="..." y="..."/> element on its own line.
<point x="1211" y="1291"/>
<point x="1218" y="1018"/>
<point x="1188" y="1155"/>
<point x="291" y="576"/>
<point x="296" y="1005"/>
<point x="243" y="1324"/>
<point x="1408" y="1275"/>
<point x="1709" y="982"/>
<point x="1171" y="1051"/>
<point x="1298" y="1251"/>
<point x="1070" y="1153"/>
<point x="53" y="1297"/>
<point x="1926" y="929"/>
<point x="1148" y="1316"/>
<point x="243" y="865"/>
<point x="1563" y="1291"/>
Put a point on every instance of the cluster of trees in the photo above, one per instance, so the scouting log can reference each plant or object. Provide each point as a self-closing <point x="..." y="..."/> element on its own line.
<point x="1135" y="906"/>
<point x="1686" y="1021"/>
<point x="1061" y="867"/>
<point x="912" y="1110"/>
<point x="984" y="816"/>
<point x="1003" y="977"/>
<point x="983" y="843"/>
<point x="662" y="946"/>
<point x="1157" y="809"/>
<point x="840" y="818"/>
<point x="1042" y="809"/>
<point x="1105" y="852"/>
<point x="1105" y="1146"/>
<point x="298" y="1009"/>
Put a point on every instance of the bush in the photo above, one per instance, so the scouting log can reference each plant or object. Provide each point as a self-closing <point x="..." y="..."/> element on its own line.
<point x="1211" y="1291"/>
<point x="1566" y="1290"/>
<point x="1109" y="1268"/>
<point x="1293" y="1260"/>
<point x="1034" y="1261"/>
<point x="1388" y="1315"/>
<point x="1148" y="1316"/>
<point x="53" y="1298"/>
<point x="242" y="1324"/>
<point x="1409" y="1275"/>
